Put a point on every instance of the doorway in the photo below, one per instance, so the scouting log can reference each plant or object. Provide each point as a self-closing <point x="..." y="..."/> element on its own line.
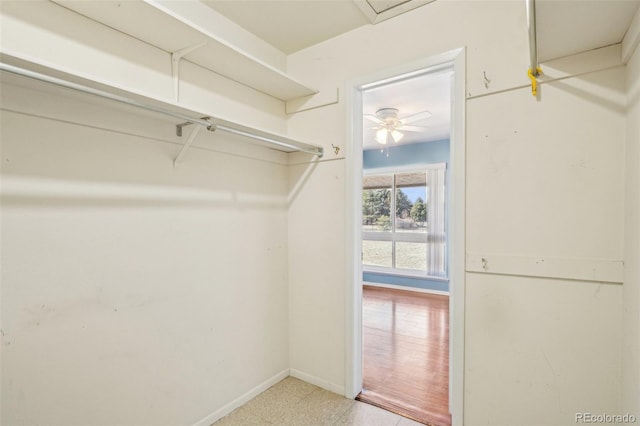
<point x="403" y="231"/>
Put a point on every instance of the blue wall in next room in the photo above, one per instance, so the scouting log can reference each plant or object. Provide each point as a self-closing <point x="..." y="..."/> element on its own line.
<point x="416" y="154"/>
<point x="407" y="156"/>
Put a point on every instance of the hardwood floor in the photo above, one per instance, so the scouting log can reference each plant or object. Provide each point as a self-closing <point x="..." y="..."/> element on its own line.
<point x="406" y="353"/>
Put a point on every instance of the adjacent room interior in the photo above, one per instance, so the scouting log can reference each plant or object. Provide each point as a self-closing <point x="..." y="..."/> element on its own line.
<point x="405" y="314"/>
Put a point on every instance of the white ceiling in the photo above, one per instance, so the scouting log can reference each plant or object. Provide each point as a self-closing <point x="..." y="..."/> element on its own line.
<point x="430" y="92"/>
<point x="292" y="25"/>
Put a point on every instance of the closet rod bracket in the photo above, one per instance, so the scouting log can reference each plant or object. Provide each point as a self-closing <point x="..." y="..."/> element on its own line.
<point x="211" y="127"/>
<point x="180" y="126"/>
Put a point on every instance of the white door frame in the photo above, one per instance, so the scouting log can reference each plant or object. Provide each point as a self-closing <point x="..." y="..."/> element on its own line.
<point x="454" y="59"/>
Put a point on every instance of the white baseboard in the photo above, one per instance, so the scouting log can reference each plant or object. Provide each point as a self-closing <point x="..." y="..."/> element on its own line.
<point x="243" y="399"/>
<point x="402" y="287"/>
<point x="324" y="384"/>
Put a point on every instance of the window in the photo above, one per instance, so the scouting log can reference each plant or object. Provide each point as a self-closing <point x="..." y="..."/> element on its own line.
<point x="403" y="229"/>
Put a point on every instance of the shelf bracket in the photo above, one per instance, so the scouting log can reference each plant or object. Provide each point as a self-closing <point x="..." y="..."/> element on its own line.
<point x="175" y="66"/>
<point x="190" y="139"/>
<point x="180" y="126"/>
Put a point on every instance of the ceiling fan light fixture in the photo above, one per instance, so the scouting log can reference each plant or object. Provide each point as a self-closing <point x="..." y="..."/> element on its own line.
<point x="385" y="135"/>
<point x="390" y="127"/>
<point x="396" y="135"/>
<point x="381" y="136"/>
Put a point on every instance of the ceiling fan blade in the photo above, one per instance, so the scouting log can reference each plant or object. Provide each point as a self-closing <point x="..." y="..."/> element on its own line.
<point x="373" y="118"/>
<point x="414" y="128"/>
<point x="415" y="117"/>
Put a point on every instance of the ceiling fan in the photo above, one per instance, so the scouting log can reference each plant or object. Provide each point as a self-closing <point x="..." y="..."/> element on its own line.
<point x="389" y="125"/>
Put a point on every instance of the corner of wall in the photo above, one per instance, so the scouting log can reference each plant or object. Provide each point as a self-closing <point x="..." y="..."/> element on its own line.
<point x="630" y="363"/>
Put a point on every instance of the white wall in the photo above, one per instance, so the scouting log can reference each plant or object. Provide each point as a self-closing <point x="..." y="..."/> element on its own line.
<point x="133" y="292"/>
<point x="631" y="289"/>
<point x="544" y="182"/>
<point x="317" y="292"/>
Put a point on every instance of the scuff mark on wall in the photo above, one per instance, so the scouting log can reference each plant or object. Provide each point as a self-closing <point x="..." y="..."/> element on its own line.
<point x="485" y="265"/>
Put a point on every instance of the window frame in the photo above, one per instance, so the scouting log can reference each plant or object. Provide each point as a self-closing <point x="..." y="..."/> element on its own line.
<point x="402" y="237"/>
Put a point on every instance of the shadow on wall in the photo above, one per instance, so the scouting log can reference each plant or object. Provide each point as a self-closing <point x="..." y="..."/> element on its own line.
<point x="52" y="162"/>
<point x="614" y="103"/>
<point x="301" y="178"/>
<point x="39" y="191"/>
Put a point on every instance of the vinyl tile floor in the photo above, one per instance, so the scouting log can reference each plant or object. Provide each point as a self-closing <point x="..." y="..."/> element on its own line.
<point x="297" y="403"/>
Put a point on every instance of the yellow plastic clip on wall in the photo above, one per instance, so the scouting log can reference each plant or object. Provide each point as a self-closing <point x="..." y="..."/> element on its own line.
<point x="534" y="81"/>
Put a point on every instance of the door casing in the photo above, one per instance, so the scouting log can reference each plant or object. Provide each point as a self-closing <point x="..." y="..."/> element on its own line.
<point x="454" y="59"/>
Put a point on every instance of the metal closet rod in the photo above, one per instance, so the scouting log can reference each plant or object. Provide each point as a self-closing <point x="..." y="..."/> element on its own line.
<point x="533" y="43"/>
<point x="208" y="124"/>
